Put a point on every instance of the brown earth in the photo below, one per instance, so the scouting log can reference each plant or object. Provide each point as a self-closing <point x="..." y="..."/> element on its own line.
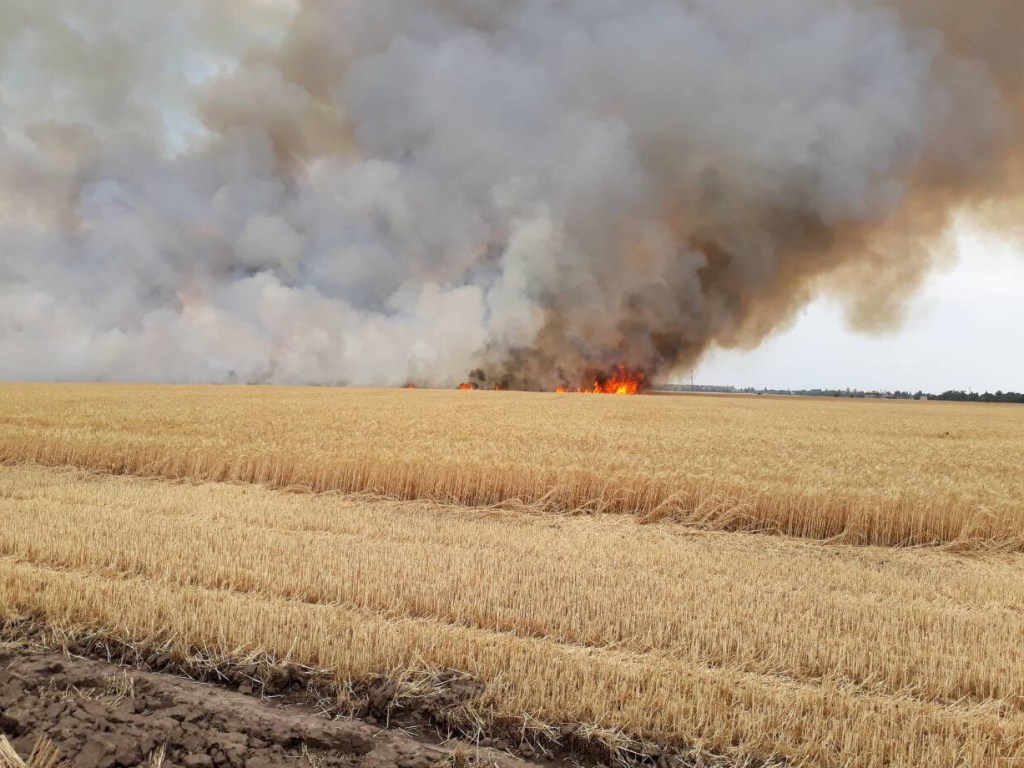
<point x="105" y="716"/>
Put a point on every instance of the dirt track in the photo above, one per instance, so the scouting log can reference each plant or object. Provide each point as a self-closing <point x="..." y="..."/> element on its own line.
<point x="105" y="716"/>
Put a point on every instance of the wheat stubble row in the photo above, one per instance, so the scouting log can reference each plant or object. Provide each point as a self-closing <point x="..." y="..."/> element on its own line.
<point x="827" y="654"/>
<point x="889" y="473"/>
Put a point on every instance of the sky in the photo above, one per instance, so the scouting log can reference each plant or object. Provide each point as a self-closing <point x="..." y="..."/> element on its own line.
<point x="965" y="330"/>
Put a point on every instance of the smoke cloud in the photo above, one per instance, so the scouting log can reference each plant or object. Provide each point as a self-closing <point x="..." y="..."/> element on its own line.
<point x="372" y="192"/>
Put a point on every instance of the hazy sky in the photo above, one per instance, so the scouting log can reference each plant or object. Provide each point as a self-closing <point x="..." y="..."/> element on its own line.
<point x="965" y="331"/>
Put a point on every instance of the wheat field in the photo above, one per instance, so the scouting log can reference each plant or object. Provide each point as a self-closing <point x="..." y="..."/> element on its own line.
<point x="745" y="644"/>
<point x="875" y="472"/>
<point x="743" y="585"/>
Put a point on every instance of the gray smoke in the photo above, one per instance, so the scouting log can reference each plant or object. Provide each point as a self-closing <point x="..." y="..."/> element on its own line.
<point x="373" y="192"/>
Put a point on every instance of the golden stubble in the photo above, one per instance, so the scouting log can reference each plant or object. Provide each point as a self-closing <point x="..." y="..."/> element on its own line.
<point x="885" y="473"/>
<point x="829" y="655"/>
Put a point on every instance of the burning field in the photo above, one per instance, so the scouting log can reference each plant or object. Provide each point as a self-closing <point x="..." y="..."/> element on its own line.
<point x="683" y="581"/>
<point x="490" y="213"/>
<point x="621" y="381"/>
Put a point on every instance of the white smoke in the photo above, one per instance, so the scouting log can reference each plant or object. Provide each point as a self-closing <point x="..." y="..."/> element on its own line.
<point x="373" y="192"/>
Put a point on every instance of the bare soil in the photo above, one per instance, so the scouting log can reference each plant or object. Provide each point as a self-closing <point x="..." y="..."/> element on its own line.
<point x="106" y="716"/>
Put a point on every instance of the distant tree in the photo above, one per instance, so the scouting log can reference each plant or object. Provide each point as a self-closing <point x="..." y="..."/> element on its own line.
<point x="985" y="397"/>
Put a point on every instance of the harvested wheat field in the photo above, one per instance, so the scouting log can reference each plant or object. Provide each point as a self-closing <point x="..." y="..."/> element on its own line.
<point x="888" y="473"/>
<point x="696" y="616"/>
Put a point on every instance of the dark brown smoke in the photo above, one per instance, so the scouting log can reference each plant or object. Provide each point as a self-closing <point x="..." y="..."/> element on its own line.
<point x="382" y="191"/>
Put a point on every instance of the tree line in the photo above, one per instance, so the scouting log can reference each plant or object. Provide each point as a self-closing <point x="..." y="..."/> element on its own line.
<point x="954" y="395"/>
<point x="976" y="397"/>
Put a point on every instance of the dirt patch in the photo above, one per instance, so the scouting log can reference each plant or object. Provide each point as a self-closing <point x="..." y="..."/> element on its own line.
<point x="415" y="719"/>
<point x="105" y="716"/>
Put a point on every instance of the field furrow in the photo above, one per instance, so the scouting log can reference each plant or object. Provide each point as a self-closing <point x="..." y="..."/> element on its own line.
<point x="672" y="702"/>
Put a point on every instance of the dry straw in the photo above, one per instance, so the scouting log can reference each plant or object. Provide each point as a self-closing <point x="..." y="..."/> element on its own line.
<point x="45" y="754"/>
<point x="735" y="644"/>
<point x="885" y="473"/>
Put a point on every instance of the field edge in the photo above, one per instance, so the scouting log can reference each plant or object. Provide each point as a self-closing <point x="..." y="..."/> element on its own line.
<point x="445" y="699"/>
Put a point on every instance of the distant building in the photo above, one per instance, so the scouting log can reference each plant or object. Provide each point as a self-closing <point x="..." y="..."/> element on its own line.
<point x="694" y="388"/>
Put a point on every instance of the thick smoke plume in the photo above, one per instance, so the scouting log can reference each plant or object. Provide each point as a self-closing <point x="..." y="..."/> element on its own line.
<point x="380" y="191"/>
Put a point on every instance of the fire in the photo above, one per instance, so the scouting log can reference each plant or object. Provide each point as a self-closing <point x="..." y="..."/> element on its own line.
<point x="622" y="382"/>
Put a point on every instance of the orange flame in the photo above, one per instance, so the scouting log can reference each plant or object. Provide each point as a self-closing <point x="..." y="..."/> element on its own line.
<point x="468" y="386"/>
<point x="622" y="382"/>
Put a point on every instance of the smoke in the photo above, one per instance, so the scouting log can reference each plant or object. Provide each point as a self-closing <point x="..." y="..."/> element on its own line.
<point x="372" y="192"/>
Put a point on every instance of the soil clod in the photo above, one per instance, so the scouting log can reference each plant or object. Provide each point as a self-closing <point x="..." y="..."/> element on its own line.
<point x="99" y="715"/>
